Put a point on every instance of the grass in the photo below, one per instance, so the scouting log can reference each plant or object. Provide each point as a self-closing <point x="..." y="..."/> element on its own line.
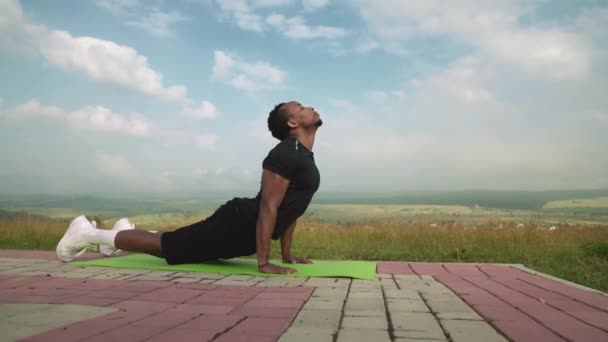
<point x="575" y="252"/>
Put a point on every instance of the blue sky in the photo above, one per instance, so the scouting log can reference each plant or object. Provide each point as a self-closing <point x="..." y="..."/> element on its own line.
<point x="132" y="96"/>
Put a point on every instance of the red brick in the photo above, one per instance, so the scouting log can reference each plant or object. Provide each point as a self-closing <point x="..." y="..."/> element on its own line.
<point x="394" y="267"/>
<point x="237" y="291"/>
<point x="501" y="272"/>
<point x="18" y="281"/>
<point x="195" y="286"/>
<point x="78" y="331"/>
<point x="482" y="298"/>
<point x="272" y="327"/>
<point x="87" y="300"/>
<point x="530" y="290"/>
<point x="137" y="305"/>
<point x="57" y="283"/>
<point x="593" y="299"/>
<point x="281" y="295"/>
<point x="127" y="316"/>
<point x="28" y="254"/>
<point x="205" y="309"/>
<point x="526" y="331"/>
<point x="597" y="319"/>
<point x="464" y="270"/>
<point x="166" y="319"/>
<point x="169" y="295"/>
<point x="575" y="330"/>
<point x="213" y="323"/>
<point x="293" y="290"/>
<point x="423" y="268"/>
<point x="180" y="334"/>
<point x="126" y="333"/>
<point x="242" y="337"/>
<point x="209" y="299"/>
<point x="569" y="305"/>
<point x="145" y="285"/>
<point x="101" y="284"/>
<point x="123" y="295"/>
<point x="499" y="313"/>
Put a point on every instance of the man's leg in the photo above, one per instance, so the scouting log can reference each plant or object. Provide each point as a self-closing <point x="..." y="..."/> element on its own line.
<point x="139" y="241"/>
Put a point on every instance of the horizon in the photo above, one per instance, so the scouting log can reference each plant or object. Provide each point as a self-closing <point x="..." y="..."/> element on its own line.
<point x="171" y="98"/>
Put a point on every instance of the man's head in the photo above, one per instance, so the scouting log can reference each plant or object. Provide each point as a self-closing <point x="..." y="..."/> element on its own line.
<point x="289" y="116"/>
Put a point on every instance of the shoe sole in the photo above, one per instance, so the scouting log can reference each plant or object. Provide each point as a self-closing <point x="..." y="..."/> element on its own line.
<point x="69" y="233"/>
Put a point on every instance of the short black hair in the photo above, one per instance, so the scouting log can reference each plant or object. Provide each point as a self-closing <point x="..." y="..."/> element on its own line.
<point x="277" y="122"/>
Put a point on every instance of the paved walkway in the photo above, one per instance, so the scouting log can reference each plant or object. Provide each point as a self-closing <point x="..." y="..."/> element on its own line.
<point x="406" y="302"/>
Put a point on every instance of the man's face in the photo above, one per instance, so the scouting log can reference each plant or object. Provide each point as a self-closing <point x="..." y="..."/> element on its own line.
<point x="305" y="117"/>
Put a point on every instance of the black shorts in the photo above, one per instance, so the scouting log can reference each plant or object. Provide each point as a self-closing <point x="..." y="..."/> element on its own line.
<point x="227" y="233"/>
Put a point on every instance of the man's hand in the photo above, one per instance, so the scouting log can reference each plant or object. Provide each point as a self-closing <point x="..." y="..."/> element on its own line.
<point x="274" y="269"/>
<point x="296" y="260"/>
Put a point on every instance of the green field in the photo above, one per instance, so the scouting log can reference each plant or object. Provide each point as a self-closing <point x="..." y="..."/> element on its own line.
<point x="599" y="202"/>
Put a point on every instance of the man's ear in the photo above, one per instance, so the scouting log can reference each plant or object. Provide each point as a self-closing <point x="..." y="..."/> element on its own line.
<point x="292" y="123"/>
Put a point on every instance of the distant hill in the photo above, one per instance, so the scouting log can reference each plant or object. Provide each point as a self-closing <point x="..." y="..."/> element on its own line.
<point x="525" y="200"/>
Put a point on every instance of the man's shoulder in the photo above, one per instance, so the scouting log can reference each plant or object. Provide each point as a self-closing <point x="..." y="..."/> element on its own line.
<point x="284" y="147"/>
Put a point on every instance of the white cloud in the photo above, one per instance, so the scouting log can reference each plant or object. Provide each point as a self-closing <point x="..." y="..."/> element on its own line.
<point x="490" y="27"/>
<point x="158" y="23"/>
<point x="241" y="12"/>
<point x="313" y="5"/>
<point x="105" y="61"/>
<point x="13" y="38"/>
<point x="258" y="130"/>
<point x="116" y="166"/>
<point x="271" y="3"/>
<point x="101" y="119"/>
<point x="296" y="28"/>
<point x="33" y="109"/>
<point x="601" y="117"/>
<point x="94" y="118"/>
<point x="207" y="110"/>
<point x="116" y="6"/>
<point x="101" y="60"/>
<point x="245" y="14"/>
<point x="200" y="172"/>
<point x="244" y="75"/>
<point x="398" y="93"/>
<point x="206" y="141"/>
<point x="376" y="96"/>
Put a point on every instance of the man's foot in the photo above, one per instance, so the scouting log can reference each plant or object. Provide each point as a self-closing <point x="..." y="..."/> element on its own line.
<point x="74" y="242"/>
<point x="122" y="224"/>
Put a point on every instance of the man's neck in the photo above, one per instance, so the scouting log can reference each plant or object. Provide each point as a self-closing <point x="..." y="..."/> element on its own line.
<point x="308" y="140"/>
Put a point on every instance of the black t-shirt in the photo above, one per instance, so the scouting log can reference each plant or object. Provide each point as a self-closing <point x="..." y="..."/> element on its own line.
<point x="293" y="161"/>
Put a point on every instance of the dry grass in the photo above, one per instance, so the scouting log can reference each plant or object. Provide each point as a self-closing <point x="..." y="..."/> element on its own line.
<point x="578" y="253"/>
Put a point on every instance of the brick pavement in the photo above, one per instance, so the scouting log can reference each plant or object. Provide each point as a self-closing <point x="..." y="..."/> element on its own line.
<point x="405" y="302"/>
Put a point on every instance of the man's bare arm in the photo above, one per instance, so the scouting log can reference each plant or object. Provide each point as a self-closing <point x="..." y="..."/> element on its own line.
<point x="286" y="241"/>
<point x="273" y="190"/>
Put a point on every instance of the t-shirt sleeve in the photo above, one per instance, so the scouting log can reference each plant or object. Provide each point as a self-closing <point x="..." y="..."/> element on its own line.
<point x="280" y="162"/>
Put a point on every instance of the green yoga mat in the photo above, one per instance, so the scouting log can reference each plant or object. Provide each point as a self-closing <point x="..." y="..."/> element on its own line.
<point x="334" y="269"/>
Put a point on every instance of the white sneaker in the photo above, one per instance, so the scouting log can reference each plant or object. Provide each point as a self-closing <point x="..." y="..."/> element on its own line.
<point x="122" y="224"/>
<point x="74" y="242"/>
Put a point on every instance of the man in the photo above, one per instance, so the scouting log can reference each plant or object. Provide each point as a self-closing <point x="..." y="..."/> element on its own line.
<point x="241" y="226"/>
